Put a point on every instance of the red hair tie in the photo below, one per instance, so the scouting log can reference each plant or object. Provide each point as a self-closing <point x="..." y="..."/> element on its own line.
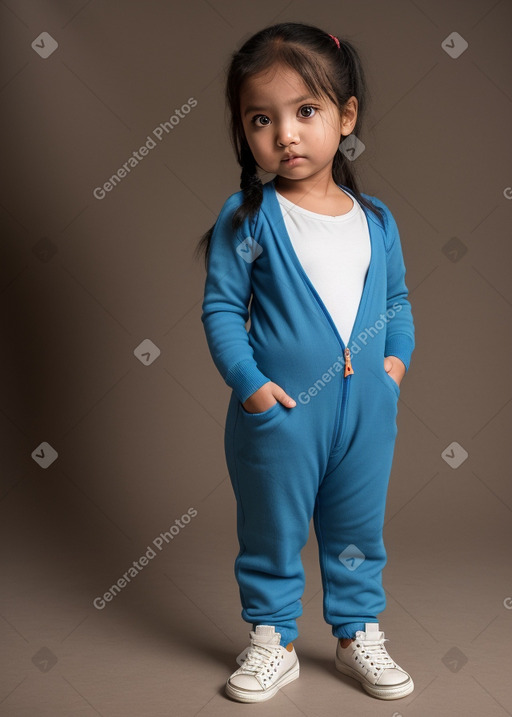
<point x="335" y="40"/>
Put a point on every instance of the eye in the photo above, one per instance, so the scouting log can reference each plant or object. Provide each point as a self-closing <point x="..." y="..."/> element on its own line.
<point x="308" y="107"/>
<point x="253" y="120"/>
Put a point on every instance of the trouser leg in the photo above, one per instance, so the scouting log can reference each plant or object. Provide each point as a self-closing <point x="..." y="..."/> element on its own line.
<point x="274" y="472"/>
<point x="349" y="518"/>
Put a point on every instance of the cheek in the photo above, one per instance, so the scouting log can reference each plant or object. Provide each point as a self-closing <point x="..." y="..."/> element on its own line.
<point x="260" y="145"/>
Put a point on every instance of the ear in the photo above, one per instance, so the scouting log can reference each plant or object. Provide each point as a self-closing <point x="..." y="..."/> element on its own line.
<point x="348" y="116"/>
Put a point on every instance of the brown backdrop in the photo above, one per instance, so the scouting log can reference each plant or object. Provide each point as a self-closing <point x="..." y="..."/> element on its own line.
<point x="112" y="410"/>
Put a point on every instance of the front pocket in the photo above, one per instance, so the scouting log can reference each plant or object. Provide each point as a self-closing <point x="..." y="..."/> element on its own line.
<point x="253" y="423"/>
<point x="260" y="414"/>
<point x="394" y="384"/>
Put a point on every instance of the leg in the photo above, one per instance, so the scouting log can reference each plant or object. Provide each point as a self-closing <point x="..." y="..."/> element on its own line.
<point x="275" y="475"/>
<point x="349" y="516"/>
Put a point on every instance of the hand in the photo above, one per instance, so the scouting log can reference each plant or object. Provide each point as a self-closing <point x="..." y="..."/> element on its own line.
<point x="395" y="367"/>
<point x="262" y="399"/>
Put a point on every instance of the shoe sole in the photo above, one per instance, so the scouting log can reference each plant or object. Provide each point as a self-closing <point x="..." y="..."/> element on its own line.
<point x="241" y="695"/>
<point x="382" y="693"/>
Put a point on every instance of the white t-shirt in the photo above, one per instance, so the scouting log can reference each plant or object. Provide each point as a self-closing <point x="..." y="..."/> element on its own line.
<point x="335" y="254"/>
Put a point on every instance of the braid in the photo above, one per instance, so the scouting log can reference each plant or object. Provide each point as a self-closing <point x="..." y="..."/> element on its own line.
<point x="251" y="185"/>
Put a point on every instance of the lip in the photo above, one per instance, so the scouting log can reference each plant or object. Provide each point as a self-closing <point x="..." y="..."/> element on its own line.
<point x="291" y="159"/>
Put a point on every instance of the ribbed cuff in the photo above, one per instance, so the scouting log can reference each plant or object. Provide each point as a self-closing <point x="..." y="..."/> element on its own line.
<point x="245" y="378"/>
<point x="400" y="345"/>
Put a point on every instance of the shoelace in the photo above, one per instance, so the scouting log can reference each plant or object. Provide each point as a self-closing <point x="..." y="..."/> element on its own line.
<point x="375" y="652"/>
<point x="258" y="654"/>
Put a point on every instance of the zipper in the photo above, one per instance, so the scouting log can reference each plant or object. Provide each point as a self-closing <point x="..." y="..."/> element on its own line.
<point x="348" y="364"/>
<point x="349" y="371"/>
<point x="344" y="400"/>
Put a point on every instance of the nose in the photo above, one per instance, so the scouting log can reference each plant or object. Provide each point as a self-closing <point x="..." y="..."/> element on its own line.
<point x="287" y="133"/>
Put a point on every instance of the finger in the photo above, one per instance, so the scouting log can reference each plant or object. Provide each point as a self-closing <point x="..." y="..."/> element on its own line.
<point x="286" y="400"/>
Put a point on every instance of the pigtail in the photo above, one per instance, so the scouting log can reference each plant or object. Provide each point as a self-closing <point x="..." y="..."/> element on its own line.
<point x="355" y="82"/>
<point x="252" y="187"/>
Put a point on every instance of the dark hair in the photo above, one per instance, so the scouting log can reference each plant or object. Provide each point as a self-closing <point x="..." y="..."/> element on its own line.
<point x="325" y="69"/>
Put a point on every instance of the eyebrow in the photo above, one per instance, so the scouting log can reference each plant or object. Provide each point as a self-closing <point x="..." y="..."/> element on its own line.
<point x="253" y="108"/>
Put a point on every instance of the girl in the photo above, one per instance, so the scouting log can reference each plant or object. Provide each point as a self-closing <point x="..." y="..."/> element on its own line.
<point x="311" y="422"/>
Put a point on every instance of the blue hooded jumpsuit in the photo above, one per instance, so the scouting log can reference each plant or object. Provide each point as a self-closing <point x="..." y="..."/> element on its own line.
<point x="330" y="456"/>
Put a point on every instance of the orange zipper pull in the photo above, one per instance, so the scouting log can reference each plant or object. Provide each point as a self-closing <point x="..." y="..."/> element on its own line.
<point x="348" y="365"/>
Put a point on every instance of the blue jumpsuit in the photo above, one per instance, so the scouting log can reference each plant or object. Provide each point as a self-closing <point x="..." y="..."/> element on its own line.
<point x="330" y="456"/>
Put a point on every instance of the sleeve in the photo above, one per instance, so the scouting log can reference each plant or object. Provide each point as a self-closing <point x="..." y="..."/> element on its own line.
<point x="227" y="293"/>
<point x="400" y="336"/>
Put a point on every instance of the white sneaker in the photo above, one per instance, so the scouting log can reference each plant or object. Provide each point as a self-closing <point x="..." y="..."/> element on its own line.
<point x="266" y="666"/>
<point x="367" y="660"/>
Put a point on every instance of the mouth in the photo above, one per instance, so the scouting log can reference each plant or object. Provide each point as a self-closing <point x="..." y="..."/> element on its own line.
<point x="291" y="159"/>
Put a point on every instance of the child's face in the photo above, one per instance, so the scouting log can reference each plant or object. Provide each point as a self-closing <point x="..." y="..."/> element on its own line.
<point x="280" y="117"/>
